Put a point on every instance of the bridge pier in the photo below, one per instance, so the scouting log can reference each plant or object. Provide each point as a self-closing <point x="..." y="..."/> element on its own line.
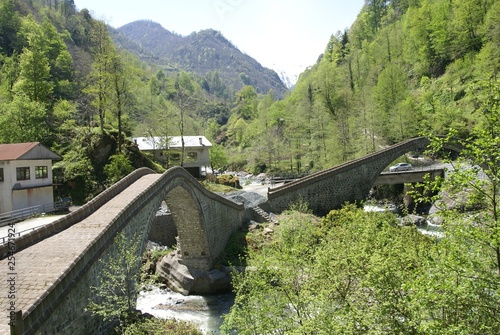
<point x="187" y="280"/>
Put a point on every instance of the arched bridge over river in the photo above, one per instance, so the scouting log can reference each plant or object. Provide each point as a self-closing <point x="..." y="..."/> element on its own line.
<point x="50" y="271"/>
<point x="348" y="182"/>
<point x="53" y="268"/>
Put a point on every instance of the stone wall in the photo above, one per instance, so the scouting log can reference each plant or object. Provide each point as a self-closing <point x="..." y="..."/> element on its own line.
<point x="163" y="230"/>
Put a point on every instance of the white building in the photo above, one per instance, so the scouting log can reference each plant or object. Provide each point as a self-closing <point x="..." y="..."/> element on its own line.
<point x="167" y="150"/>
<point x="25" y="176"/>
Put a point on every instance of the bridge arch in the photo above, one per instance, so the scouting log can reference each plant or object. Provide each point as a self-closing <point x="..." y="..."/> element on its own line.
<point x="204" y="220"/>
<point x="186" y="207"/>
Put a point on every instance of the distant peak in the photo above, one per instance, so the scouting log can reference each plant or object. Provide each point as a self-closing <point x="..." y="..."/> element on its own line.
<point x="215" y="34"/>
<point x="145" y="24"/>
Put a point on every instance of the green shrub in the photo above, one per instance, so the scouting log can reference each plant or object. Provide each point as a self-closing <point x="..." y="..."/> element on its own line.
<point x="161" y="327"/>
<point x="229" y="180"/>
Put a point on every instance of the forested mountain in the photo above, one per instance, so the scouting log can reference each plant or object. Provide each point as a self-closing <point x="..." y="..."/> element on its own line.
<point x="206" y="53"/>
<point x="403" y="68"/>
<point x="64" y="83"/>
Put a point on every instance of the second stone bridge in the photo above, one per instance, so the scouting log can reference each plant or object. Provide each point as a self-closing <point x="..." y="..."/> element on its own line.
<point x="348" y="182"/>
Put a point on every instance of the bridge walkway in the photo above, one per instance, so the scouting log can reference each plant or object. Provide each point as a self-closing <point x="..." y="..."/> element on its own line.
<point x="39" y="267"/>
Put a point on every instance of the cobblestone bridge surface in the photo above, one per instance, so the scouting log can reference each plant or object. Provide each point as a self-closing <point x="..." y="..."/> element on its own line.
<point x="39" y="267"/>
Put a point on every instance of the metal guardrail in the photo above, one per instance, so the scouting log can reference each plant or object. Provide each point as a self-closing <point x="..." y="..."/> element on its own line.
<point x="8" y="218"/>
<point x="5" y="239"/>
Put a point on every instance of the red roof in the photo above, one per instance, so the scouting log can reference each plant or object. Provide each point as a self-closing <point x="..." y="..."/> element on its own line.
<point x="10" y="152"/>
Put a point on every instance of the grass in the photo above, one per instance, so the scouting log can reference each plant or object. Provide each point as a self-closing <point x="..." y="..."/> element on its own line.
<point x="161" y="327"/>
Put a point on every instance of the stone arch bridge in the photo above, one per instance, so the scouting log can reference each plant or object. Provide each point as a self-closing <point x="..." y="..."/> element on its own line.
<point x="348" y="182"/>
<point x="53" y="268"/>
<point x="50" y="270"/>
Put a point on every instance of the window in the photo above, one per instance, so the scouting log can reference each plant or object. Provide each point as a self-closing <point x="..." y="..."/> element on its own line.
<point x="1" y="174"/>
<point x="175" y="157"/>
<point x="192" y="155"/>
<point x="41" y="172"/>
<point x="23" y="173"/>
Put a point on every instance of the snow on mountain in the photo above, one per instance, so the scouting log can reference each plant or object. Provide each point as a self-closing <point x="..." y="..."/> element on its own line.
<point x="287" y="78"/>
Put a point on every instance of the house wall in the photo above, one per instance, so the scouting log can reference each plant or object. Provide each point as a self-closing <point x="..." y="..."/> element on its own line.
<point x="201" y="160"/>
<point x="27" y="193"/>
<point x="194" y="166"/>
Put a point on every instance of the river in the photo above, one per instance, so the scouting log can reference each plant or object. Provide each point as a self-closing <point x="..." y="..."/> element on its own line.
<point x="428" y="228"/>
<point x="204" y="311"/>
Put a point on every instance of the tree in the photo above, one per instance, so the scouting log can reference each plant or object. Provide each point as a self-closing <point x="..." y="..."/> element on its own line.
<point x="118" y="167"/>
<point x="246" y="103"/>
<point x="35" y="81"/>
<point x="114" y="299"/>
<point x="186" y="100"/>
<point x="10" y="24"/>
<point x="9" y="72"/>
<point x="60" y="61"/>
<point x="120" y="91"/>
<point x="100" y="84"/>
<point x="465" y="26"/>
<point x="390" y="91"/>
<point x="479" y="157"/>
<point x="376" y="10"/>
<point x="218" y="158"/>
<point x="23" y="120"/>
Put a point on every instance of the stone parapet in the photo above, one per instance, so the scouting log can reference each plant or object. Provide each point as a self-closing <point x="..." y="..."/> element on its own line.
<point x="78" y="215"/>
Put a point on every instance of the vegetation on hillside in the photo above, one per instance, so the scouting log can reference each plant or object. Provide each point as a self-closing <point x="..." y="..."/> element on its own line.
<point x="358" y="272"/>
<point x="403" y="68"/>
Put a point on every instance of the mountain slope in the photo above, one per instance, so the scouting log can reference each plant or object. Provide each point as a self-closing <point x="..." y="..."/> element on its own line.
<point x="200" y="52"/>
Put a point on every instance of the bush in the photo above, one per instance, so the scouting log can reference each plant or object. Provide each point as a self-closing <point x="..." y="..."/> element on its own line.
<point x="161" y="327"/>
<point x="229" y="180"/>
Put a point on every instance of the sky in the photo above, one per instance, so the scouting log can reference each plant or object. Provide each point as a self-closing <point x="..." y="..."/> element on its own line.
<point x="288" y="35"/>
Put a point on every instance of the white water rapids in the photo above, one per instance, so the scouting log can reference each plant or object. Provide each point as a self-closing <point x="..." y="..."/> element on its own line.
<point x="203" y="311"/>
